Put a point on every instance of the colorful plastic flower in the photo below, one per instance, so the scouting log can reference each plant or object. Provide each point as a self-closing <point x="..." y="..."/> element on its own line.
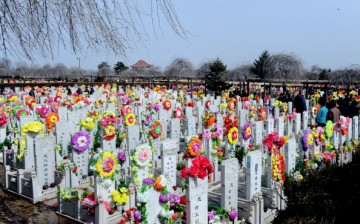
<point x="233" y="135"/>
<point x="3" y="119"/>
<point x="167" y="104"/>
<point x="88" y="123"/>
<point x="142" y="155"/>
<point x="106" y="164"/>
<point x="194" y="147"/>
<point x="42" y="111"/>
<point x="130" y="119"/>
<point x="54" y="106"/>
<point x="22" y="112"/>
<point x="329" y="129"/>
<point x="121" y="157"/>
<point x="109" y="132"/>
<point x="247" y="131"/>
<point x="307" y="139"/>
<point x="51" y="119"/>
<point x="80" y="141"/>
<point x="156" y="129"/>
<point x="178" y="113"/>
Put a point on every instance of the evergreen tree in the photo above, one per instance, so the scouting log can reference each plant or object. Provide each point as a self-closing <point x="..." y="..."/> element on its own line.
<point x="119" y="67"/>
<point x="258" y="68"/>
<point x="213" y="78"/>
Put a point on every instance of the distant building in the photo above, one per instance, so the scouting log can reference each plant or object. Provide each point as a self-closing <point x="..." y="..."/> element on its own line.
<point x="140" y="66"/>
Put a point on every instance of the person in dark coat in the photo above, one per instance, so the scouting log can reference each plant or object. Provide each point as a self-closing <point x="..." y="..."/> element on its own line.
<point x="299" y="103"/>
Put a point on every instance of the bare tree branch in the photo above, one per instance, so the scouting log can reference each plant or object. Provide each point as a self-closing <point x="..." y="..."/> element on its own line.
<point x="31" y="27"/>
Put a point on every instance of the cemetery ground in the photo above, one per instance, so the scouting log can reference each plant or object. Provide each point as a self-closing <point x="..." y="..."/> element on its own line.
<point x="330" y="195"/>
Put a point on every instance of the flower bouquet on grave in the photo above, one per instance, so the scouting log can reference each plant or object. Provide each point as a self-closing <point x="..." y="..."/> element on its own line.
<point x="80" y="141"/>
<point x="69" y="194"/>
<point x="32" y="128"/>
<point x="342" y="126"/>
<point x="88" y="202"/>
<point x="220" y="215"/>
<point x="104" y="164"/>
<point x="51" y="119"/>
<point x="208" y="119"/>
<point x="261" y="113"/>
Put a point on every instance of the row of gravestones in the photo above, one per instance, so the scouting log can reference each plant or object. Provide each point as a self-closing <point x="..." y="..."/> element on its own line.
<point x="189" y="122"/>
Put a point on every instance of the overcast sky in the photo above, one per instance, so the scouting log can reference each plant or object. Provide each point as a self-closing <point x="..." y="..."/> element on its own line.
<point x="319" y="32"/>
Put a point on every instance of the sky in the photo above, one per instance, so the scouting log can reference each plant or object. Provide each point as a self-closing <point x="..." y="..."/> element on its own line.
<point x="318" y="32"/>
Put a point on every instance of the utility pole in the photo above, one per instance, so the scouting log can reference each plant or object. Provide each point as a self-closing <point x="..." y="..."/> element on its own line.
<point x="79" y="62"/>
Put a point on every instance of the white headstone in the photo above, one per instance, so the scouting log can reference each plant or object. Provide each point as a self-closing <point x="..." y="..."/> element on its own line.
<point x="168" y="162"/>
<point x="258" y="133"/>
<point x="355" y="126"/>
<point x="229" y="183"/>
<point x="269" y="125"/>
<point x="45" y="160"/>
<point x="253" y="173"/>
<point x="290" y="155"/>
<point x="280" y="126"/>
<point x="175" y="133"/>
<point x="196" y="200"/>
<point x="133" y="137"/>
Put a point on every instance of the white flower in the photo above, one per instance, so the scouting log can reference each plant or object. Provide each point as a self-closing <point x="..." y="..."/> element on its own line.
<point x="107" y="183"/>
<point x="142" y="197"/>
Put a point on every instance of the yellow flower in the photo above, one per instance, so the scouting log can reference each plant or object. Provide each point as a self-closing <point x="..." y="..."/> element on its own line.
<point x="106" y="164"/>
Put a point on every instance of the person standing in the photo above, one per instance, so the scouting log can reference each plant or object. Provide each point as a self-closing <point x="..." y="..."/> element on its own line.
<point x="320" y="118"/>
<point x="334" y="112"/>
<point x="299" y="103"/>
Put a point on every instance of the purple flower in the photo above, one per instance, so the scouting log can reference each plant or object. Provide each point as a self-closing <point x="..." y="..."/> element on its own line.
<point x="122" y="157"/>
<point x="211" y="214"/>
<point x="156" y="107"/>
<point x="233" y="214"/>
<point x="173" y="198"/>
<point x="163" y="198"/>
<point x="80" y="141"/>
<point x="148" y="120"/>
<point x="137" y="215"/>
<point x="148" y="181"/>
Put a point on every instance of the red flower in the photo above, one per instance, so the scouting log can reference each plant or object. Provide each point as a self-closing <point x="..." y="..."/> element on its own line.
<point x="202" y="174"/>
<point x="183" y="200"/>
<point x="74" y="169"/>
<point x="184" y="173"/>
<point x="193" y="171"/>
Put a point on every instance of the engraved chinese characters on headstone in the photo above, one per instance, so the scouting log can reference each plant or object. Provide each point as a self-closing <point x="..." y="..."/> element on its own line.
<point x="196" y="200"/>
<point x="191" y="129"/>
<point x="81" y="160"/>
<point x="258" y="132"/>
<point x="269" y="125"/>
<point x="74" y="119"/>
<point x="355" y="126"/>
<point x="168" y="162"/>
<point x="62" y="112"/>
<point x="280" y="126"/>
<point x="62" y="138"/>
<point x="132" y="137"/>
<point x="335" y="138"/>
<point x="305" y="118"/>
<point x="290" y="155"/>
<point x="175" y="131"/>
<point x="242" y="117"/>
<point x="253" y="173"/>
<point x="45" y="159"/>
<point x="229" y="183"/>
<point x="111" y="106"/>
<point x="109" y="145"/>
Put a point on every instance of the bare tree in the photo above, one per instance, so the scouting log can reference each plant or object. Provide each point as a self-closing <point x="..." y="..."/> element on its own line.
<point x="345" y="76"/>
<point x="241" y="73"/>
<point x="30" y="27"/>
<point x="153" y="72"/>
<point x="180" y="68"/>
<point x="203" y="70"/>
<point x="284" y="67"/>
<point x="5" y="66"/>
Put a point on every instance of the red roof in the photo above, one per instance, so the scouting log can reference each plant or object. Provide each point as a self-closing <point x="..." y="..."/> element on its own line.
<point x="141" y="64"/>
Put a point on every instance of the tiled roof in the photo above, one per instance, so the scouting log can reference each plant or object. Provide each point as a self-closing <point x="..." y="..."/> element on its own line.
<point x="141" y="64"/>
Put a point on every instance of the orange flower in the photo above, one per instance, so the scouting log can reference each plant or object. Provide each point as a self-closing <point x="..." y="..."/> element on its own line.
<point x="51" y="119"/>
<point x="194" y="147"/>
<point x="158" y="185"/>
